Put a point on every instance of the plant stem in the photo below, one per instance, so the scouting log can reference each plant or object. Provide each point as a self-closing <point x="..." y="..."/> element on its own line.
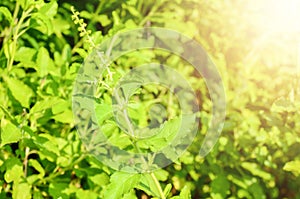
<point x="16" y="35"/>
<point x="124" y="111"/>
<point x="128" y="123"/>
<point x="162" y="195"/>
<point x="25" y="162"/>
<point x="150" y="14"/>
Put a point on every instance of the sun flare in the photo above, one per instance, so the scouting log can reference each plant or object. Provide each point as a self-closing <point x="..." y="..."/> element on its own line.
<point x="282" y="15"/>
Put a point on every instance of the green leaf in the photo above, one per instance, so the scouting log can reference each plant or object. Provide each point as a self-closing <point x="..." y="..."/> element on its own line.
<point x="61" y="106"/>
<point x="120" y="184"/>
<point x="104" y="20"/>
<point x="49" y="9"/>
<point x="63" y="161"/>
<point x="256" y="190"/>
<point x="130" y="195"/>
<point x="185" y="193"/>
<point x="37" y="194"/>
<point x="9" y="132"/>
<point x="49" y="143"/>
<point x="26" y="55"/>
<point x="161" y="174"/>
<point x="167" y="189"/>
<point x="64" y="117"/>
<point x="33" y="178"/>
<point x="293" y="166"/>
<point x="255" y="170"/>
<point x="14" y="170"/>
<point x="164" y="136"/>
<point x="62" y="112"/>
<point x="21" y="191"/>
<point x="20" y="91"/>
<point x="7" y="48"/>
<point x="147" y="184"/>
<point x="47" y="103"/>
<point x="37" y="166"/>
<point x="99" y="179"/>
<point x="86" y="194"/>
<point x="219" y="186"/>
<point x="243" y="194"/>
<point x="103" y="112"/>
<point x="25" y="3"/>
<point x="128" y="87"/>
<point x="61" y="26"/>
<point x="283" y="105"/>
<point x="43" y="62"/>
<point x="5" y="11"/>
<point x="42" y="23"/>
<point x="66" y="53"/>
<point x="82" y="53"/>
<point x="58" y="190"/>
<point x="7" y="114"/>
<point x="134" y="11"/>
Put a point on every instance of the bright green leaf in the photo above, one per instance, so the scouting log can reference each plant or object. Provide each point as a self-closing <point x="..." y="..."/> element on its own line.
<point x="14" y="170"/>
<point x="293" y="166"/>
<point x="20" y="91"/>
<point x="49" y="9"/>
<point x="130" y="195"/>
<point x="42" y="105"/>
<point x="42" y="23"/>
<point x="43" y="61"/>
<point x="5" y="11"/>
<point x="99" y="179"/>
<point x="26" y="55"/>
<point x="25" y="3"/>
<point x="255" y="170"/>
<point x="37" y="166"/>
<point x="21" y="191"/>
<point x="167" y="189"/>
<point x="104" y="20"/>
<point x="86" y="194"/>
<point x="147" y="184"/>
<point x="9" y="132"/>
<point x="185" y="193"/>
<point x="121" y="183"/>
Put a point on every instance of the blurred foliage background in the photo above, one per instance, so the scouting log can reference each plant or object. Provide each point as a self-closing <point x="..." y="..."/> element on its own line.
<point x="257" y="155"/>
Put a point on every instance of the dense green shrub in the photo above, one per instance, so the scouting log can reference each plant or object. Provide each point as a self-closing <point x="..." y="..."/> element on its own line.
<point x="257" y="155"/>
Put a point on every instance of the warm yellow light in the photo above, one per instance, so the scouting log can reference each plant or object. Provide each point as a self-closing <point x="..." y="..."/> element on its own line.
<point x="282" y="15"/>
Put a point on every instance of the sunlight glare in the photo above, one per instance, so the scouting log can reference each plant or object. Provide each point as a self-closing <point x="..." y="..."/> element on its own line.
<point x="282" y="15"/>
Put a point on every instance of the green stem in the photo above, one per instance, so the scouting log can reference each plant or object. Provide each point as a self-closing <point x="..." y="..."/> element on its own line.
<point x="25" y="162"/>
<point x="16" y="35"/>
<point x="132" y="134"/>
<point x="156" y="182"/>
<point x="128" y="123"/>
<point x="11" y="34"/>
<point x="17" y="8"/>
<point x="150" y="14"/>
<point x="98" y="9"/>
<point x="124" y="111"/>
